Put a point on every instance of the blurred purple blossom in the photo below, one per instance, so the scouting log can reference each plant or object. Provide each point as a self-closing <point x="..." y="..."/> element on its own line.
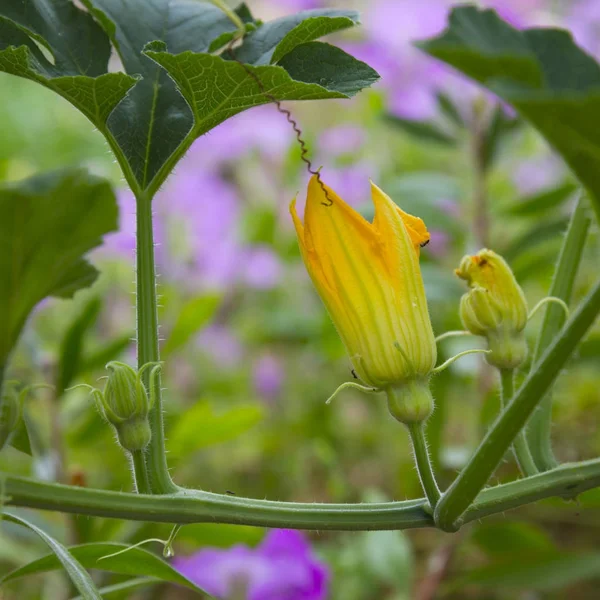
<point x="410" y="78"/>
<point x="342" y="139"/>
<point x="439" y="243"/>
<point x="222" y="345"/>
<point x="261" y="268"/>
<point x="583" y="21"/>
<point x="261" y="128"/>
<point x="282" y="567"/>
<point x="122" y="242"/>
<point x="268" y="376"/>
<point x="532" y="175"/>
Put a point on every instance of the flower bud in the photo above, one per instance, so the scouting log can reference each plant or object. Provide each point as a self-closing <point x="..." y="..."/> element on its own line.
<point x="125" y="405"/>
<point x="411" y="401"/>
<point x="10" y="416"/>
<point x="495" y="307"/>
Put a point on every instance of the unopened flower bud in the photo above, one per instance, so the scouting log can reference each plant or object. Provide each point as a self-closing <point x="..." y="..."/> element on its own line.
<point x="10" y="416"/>
<point x="125" y="404"/>
<point x="495" y="307"/>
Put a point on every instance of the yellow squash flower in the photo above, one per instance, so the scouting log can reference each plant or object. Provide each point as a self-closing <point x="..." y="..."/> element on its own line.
<point x="369" y="279"/>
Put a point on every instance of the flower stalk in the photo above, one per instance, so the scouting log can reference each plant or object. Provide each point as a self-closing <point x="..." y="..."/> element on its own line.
<point x="148" y="350"/>
<point x="423" y="462"/>
<point x="521" y="447"/>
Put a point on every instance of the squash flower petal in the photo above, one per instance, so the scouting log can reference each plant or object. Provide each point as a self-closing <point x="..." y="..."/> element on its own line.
<point x="369" y="279"/>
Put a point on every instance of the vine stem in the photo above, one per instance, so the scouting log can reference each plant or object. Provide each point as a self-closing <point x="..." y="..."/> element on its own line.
<point x="540" y="426"/>
<point x="191" y="506"/>
<point x="521" y="447"/>
<point x="469" y="483"/>
<point x="142" y="481"/>
<point x="148" y="350"/>
<point x="423" y="462"/>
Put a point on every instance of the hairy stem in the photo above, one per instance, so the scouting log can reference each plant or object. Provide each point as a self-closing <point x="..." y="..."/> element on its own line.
<point x="423" y="462"/>
<point x="465" y="488"/>
<point x="147" y="347"/>
<point x="191" y="506"/>
<point x="539" y="430"/>
<point x="140" y="471"/>
<point x="520" y="447"/>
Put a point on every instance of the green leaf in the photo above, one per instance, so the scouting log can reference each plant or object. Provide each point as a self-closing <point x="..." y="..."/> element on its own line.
<point x="71" y="347"/>
<point x="543" y="573"/>
<point x="589" y="350"/>
<point x="79" y="50"/>
<point x="387" y="555"/>
<point x="47" y="223"/>
<point x="110" y="351"/>
<point x="541" y="234"/>
<point x="199" y="427"/>
<point x="543" y="201"/>
<point x="329" y="67"/>
<point x="60" y="557"/>
<point x="194" y="315"/>
<point x="499" y="125"/>
<point x="141" y="112"/>
<point x="234" y="90"/>
<point x="123" y="590"/>
<point x="273" y="40"/>
<point x="509" y="538"/>
<point x="449" y="109"/>
<point x="155" y="119"/>
<point x="136" y="561"/>
<point x="422" y="130"/>
<point x="549" y="80"/>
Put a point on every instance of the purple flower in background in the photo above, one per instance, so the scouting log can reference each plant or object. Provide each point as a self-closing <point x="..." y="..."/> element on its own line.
<point x="439" y="243"/>
<point x="261" y="128"/>
<point x="584" y="22"/>
<point x="283" y="567"/>
<point x="262" y="269"/>
<point x="343" y="139"/>
<point x="535" y="174"/>
<point x="222" y="345"/>
<point x="122" y="243"/>
<point x="268" y="376"/>
<point x="410" y="78"/>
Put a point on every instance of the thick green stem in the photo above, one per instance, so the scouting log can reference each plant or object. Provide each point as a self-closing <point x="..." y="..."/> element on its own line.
<point x="142" y="481"/>
<point x="423" y="462"/>
<point x="190" y="506"/>
<point x="520" y="447"/>
<point x="539" y="430"/>
<point x="147" y="345"/>
<point x="465" y="488"/>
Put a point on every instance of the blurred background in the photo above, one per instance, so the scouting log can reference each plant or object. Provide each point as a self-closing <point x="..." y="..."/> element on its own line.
<point x="251" y="355"/>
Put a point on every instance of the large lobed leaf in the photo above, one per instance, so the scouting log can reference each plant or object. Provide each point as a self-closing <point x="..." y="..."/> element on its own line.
<point x="47" y="224"/>
<point x="218" y="89"/>
<point x="78" y="48"/>
<point x="142" y="112"/>
<point x="542" y="72"/>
